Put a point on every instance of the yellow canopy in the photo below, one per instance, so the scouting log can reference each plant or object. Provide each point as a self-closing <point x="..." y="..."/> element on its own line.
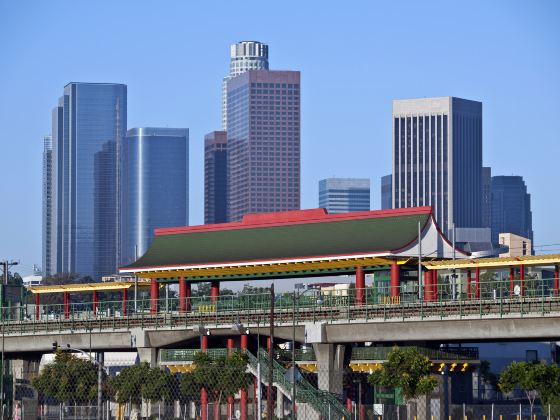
<point x="527" y="260"/>
<point x="86" y="287"/>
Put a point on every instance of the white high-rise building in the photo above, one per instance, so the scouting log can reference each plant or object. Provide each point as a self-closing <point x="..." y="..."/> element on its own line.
<point x="245" y="55"/>
<point x="437" y="158"/>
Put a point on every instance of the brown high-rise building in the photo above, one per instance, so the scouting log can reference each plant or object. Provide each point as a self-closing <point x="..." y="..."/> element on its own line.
<point x="215" y="177"/>
<point x="263" y="140"/>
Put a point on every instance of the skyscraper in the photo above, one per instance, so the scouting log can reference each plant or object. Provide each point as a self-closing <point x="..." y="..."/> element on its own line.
<point x="48" y="234"/>
<point x="437" y="158"/>
<point x="154" y="186"/>
<point x="215" y="177"/>
<point x="343" y="195"/>
<point x="263" y="136"/>
<point x="245" y="55"/>
<point x="387" y="192"/>
<point x="88" y="127"/>
<point x="511" y="207"/>
<point x="486" y="181"/>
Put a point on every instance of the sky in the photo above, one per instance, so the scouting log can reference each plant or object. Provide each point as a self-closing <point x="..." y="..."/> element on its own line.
<point x="355" y="57"/>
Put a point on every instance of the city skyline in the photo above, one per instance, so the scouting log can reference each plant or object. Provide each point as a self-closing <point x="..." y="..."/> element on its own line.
<point x="185" y="99"/>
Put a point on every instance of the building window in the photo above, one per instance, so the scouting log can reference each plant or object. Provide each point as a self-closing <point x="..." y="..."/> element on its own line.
<point x="531" y="355"/>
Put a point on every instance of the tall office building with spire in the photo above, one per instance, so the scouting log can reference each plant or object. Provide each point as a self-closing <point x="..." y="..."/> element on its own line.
<point x="244" y="55"/>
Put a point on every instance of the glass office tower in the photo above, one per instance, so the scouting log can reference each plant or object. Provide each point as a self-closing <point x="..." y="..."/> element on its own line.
<point x="511" y="207"/>
<point x="263" y="140"/>
<point x="154" y="186"/>
<point x="48" y="242"/>
<point x="89" y="124"/>
<point x="386" y="192"/>
<point x="343" y="195"/>
<point x="437" y="158"/>
<point x="215" y="177"/>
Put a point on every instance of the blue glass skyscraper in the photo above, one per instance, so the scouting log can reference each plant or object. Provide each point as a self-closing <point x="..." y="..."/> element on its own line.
<point x="343" y="195"/>
<point x="511" y="207"/>
<point x="89" y="125"/>
<point x="154" y="186"/>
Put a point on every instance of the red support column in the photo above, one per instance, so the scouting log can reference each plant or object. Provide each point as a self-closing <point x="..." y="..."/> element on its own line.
<point x="477" y="279"/>
<point x="428" y="286"/>
<point x="66" y="305"/>
<point x="268" y="343"/>
<point x="188" y="296"/>
<point x="215" y="291"/>
<point x="124" y="300"/>
<point x="37" y="305"/>
<point x="154" y="290"/>
<point x="469" y="295"/>
<point x="360" y="286"/>
<point x="395" y="282"/>
<point x="95" y="299"/>
<point x="556" y="280"/>
<point x="243" y="394"/>
<point x="522" y="280"/>
<point x="182" y="295"/>
<point x="511" y="281"/>
<point x="204" y="342"/>
<point x="434" y="285"/>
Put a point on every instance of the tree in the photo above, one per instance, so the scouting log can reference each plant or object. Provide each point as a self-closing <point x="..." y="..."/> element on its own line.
<point x="408" y="370"/>
<point x="220" y="377"/>
<point x="68" y="379"/>
<point x="141" y="382"/>
<point x="534" y="379"/>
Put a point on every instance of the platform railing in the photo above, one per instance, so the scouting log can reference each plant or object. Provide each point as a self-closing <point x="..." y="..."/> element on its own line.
<point x="493" y="299"/>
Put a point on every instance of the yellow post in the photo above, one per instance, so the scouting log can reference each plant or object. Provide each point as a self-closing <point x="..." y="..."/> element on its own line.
<point x="500" y="417"/>
<point x="484" y="417"/>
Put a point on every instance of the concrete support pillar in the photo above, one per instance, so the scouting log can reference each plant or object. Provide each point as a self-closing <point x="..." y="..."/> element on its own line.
<point x="330" y="366"/>
<point x="360" y="286"/>
<point x="23" y="371"/>
<point x="243" y="393"/>
<point x="469" y="295"/>
<point x="124" y="300"/>
<point x="149" y="355"/>
<point x="154" y="291"/>
<point x="215" y="291"/>
<point x="279" y="405"/>
<point x="66" y="305"/>
<point x="95" y="300"/>
<point x="37" y="306"/>
<point x="395" y="280"/>
<point x="477" y="280"/>
<point x="522" y="280"/>
<point x="556" y="280"/>
<point x="428" y="294"/>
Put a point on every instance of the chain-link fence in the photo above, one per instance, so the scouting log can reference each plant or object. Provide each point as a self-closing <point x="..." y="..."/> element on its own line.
<point x="225" y="384"/>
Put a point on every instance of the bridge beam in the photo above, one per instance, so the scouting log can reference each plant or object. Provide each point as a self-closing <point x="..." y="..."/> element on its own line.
<point x="330" y="366"/>
<point x="149" y="355"/>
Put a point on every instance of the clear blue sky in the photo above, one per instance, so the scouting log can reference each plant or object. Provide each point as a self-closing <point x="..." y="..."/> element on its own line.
<point x="355" y="57"/>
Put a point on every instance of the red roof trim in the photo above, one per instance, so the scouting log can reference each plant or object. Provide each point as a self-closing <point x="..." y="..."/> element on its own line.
<point x="296" y="217"/>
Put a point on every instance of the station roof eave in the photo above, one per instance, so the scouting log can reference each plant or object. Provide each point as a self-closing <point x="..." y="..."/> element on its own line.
<point x="303" y="242"/>
<point x="501" y="262"/>
<point x="85" y="287"/>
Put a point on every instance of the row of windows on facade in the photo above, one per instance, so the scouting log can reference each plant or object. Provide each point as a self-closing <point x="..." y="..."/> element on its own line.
<point x="294" y="105"/>
<point x="256" y="107"/>
<point x="275" y="85"/>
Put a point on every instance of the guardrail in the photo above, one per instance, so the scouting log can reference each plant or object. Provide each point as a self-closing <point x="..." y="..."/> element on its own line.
<point x="253" y="310"/>
<point x="447" y="353"/>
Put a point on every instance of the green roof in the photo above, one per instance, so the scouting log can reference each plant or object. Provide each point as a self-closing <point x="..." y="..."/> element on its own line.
<point x="331" y="235"/>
